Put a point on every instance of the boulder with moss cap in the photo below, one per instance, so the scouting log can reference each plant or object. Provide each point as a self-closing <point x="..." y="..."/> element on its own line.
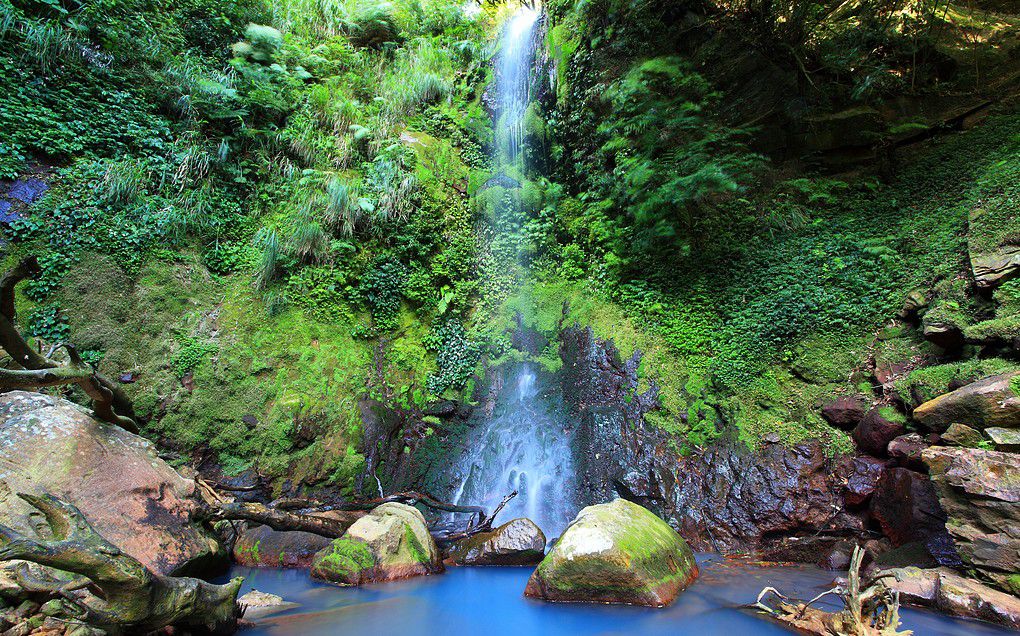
<point x="390" y="543"/>
<point x="616" y="552"/>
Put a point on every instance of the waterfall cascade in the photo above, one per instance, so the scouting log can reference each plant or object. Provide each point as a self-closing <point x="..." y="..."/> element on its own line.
<point x="524" y="444"/>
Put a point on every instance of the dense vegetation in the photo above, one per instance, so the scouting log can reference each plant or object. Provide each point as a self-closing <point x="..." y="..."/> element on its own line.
<point x="263" y="212"/>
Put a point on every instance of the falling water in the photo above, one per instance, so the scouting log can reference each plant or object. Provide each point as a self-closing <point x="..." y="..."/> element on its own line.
<point x="523" y="445"/>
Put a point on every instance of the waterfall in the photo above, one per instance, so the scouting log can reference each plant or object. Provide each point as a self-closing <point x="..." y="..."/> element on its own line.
<point x="524" y="444"/>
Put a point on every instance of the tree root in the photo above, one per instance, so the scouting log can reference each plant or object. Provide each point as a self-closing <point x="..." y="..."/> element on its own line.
<point x="114" y="591"/>
<point x="109" y="402"/>
<point x="872" y="611"/>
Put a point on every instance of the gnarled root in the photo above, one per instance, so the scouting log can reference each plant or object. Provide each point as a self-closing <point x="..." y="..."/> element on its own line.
<point x="116" y="592"/>
<point x="872" y="611"/>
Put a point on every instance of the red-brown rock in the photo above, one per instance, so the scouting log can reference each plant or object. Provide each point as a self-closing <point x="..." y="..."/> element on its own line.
<point x="129" y="495"/>
<point x="879" y="427"/>
<point x="845" y="412"/>
<point x="907" y="509"/>
<point x="864" y="473"/>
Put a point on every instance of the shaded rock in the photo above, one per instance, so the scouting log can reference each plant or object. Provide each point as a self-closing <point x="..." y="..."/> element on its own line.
<point x="992" y="270"/>
<point x="980" y="492"/>
<point x="800" y="549"/>
<point x="944" y="335"/>
<point x="907" y="449"/>
<point x="913" y="304"/>
<point x="517" y="542"/>
<point x="261" y="546"/>
<point x="961" y="435"/>
<point x="390" y="543"/>
<point x="1005" y="439"/>
<point x="617" y="552"/>
<point x="982" y="404"/>
<point x="258" y="604"/>
<point x="907" y="509"/>
<point x="129" y="495"/>
<point x="965" y="597"/>
<point x="864" y="473"/>
<point x="845" y="412"/>
<point x="838" y="558"/>
<point x="879" y="427"/>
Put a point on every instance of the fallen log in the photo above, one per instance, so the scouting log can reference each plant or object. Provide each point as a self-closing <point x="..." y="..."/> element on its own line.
<point x="484" y="526"/>
<point x="115" y="592"/>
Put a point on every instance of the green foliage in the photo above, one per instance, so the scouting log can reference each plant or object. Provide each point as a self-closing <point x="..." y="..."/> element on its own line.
<point x="190" y="353"/>
<point x="457" y="356"/>
<point x="47" y="323"/>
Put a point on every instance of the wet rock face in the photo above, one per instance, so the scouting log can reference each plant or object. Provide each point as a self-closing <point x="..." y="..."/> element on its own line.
<point x="133" y="498"/>
<point x="980" y="492"/>
<point x="953" y="594"/>
<point x="517" y="542"/>
<point x="390" y="543"/>
<point x="726" y="498"/>
<point x="617" y="552"/>
<point x="905" y="506"/>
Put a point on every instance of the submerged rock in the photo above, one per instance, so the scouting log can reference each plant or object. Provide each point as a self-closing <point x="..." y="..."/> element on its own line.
<point x="131" y="497"/>
<point x="618" y="552"/>
<point x="517" y="542"/>
<point x="980" y="405"/>
<point x="258" y="604"/>
<point x="390" y="543"/>
<point x="980" y="492"/>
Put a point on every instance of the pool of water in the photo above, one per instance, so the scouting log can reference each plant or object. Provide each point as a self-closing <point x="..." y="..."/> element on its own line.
<point x="489" y="602"/>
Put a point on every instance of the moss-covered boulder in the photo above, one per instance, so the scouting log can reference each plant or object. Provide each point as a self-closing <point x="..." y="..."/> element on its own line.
<point x="261" y="546"/>
<point x="982" y="404"/>
<point x="616" y="552"/>
<point x="517" y="542"/>
<point x="390" y="543"/>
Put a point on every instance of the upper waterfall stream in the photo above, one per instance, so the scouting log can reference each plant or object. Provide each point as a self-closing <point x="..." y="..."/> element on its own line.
<point x="522" y="445"/>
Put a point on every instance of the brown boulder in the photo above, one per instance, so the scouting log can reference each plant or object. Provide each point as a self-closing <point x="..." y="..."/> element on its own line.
<point x="880" y="426"/>
<point x="965" y="597"/>
<point x="845" y="412"/>
<point x="982" y="404"/>
<point x="907" y="509"/>
<point x="991" y="270"/>
<point x="129" y="495"/>
<point x="907" y="449"/>
<point x="517" y="542"/>
<point x="980" y="492"/>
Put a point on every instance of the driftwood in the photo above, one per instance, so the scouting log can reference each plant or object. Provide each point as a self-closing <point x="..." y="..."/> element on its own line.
<point x="282" y="517"/>
<point x="38" y="371"/>
<point x="114" y="591"/>
<point x="484" y="526"/>
<point x="871" y="611"/>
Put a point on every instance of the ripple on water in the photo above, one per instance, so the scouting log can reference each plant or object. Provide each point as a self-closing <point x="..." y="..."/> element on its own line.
<point x="490" y="602"/>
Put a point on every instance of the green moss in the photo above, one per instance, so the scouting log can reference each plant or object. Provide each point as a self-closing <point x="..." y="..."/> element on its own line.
<point x="927" y="383"/>
<point x="414" y="546"/>
<point x="345" y="560"/>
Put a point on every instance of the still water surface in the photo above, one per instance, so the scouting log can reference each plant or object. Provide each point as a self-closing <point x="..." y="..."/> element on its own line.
<point x="489" y="602"/>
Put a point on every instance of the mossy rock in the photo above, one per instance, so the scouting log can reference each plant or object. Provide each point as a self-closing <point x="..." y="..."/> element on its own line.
<point x="616" y="552"/>
<point x="390" y="543"/>
<point x="982" y="404"/>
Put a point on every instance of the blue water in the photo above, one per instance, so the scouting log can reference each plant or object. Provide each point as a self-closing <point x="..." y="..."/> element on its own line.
<point x="489" y="602"/>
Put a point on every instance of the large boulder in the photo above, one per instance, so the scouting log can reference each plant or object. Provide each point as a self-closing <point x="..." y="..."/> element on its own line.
<point x="129" y="495"/>
<point x="517" y="542"/>
<point x="863" y="474"/>
<point x="982" y="404"/>
<point x="618" y="552"/>
<point x="879" y="426"/>
<point x="980" y="492"/>
<point x="261" y="546"/>
<point x="390" y="543"/>
<point x="992" y="270"/>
